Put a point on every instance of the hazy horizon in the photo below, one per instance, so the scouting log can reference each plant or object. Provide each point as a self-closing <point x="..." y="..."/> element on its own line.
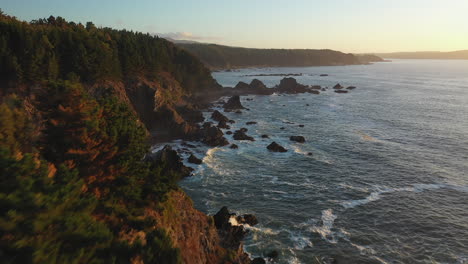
<point x="361" y="26"/>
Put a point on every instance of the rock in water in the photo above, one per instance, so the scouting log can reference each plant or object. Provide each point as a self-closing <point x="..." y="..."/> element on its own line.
<point x="223" y="124"/>
<point x="248" y="219"/>
<point x="251" y="123"/>
<point x="240" y="135"/>
<point x="275" y="147"/>
<point x="256" y="84"/>
<point x="242" y="86"/>
<point x="351" y="87"/>
<point x="217" y="116"/>
<point x="213" y="136"/>
<point x="338" y="86"/>
<point x="233" y="103"/>
<point x="234" y="146"/>
<point x="194" y="160"/>
<point x="299" y="139"/>
<point x="341" y="91"/>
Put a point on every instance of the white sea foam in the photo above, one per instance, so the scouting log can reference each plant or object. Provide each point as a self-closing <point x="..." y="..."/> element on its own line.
<point x="325" y="231"/>
<point x="376" y="195"/>
<point x="299" y="241"/>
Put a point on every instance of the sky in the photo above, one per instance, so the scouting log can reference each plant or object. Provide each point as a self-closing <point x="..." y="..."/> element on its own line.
<point x="358" y="26"/>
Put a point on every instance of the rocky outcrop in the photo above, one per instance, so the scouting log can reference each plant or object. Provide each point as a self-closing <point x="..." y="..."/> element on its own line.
<point x="291" y="86"/>
<point x="275" y="147"/>
<point x="338" y="86"/>
<point x="217" y="116"/>
<point x="351" y="87"/>
<point x="213" y="136"/>
<point x="233" y="103"/>
<point x="241" y="135"/>
<point x="231" y="232"/>
<point x="196" y="234"/>
<point x="299" y="139"/>
<point x="170" y="161"/>
<point x="341" y="91"/>
<point x="194" y="160"/>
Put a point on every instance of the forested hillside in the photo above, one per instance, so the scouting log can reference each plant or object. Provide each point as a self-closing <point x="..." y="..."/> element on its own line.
<point x="77" y="181"/>
<point x="224" y="57"/>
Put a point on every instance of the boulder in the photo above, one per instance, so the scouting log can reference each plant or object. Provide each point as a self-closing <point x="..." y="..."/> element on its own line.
<point x="223" y="124"/>
<point x="275" y="147"/>
<point x="301" y="125"/>
<point x="323" y="75"/>
<point x="341" y="91"/>
<point x="194" y="160"/>
<point x="233" y="103"/>
<point x="351" y="87"/>
<point x="256" y="84"/>
<point x="314" y="92"/>
<point x="221" y="218"/>
<point x="338" y="86"/>
<point x="240" y="135"/>
<point x="234" y="146"/>
<point x="213" y="136"/>
<point x="251" y="123"/>
<point x="228" y="132"/>
<point x="290" y="85"/>
<point x="310" y="154"/>
<point x="238" y="112"/>
<point x="265" y="136"/>
<point x="316" y="87"/>
<point x="241" y="86"/>
<point x="299" y="139"/>
<point x="217" y="116"/>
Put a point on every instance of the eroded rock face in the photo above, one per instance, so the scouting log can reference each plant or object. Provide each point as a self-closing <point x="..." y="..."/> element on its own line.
<point x="233" y="103"/>
<point x="275" y="147"/>
<point x="170" y="161"/>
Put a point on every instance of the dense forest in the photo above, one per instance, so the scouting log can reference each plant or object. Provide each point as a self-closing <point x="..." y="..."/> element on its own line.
<point x="52" y="48"/>
<point x="77" y="185"/>
<point x="225" y="57"/>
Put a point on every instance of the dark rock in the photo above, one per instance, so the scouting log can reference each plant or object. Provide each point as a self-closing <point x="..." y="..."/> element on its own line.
<point x="257" y="85"/>
<point x="222" y="217"/>
<point x="316" y="87"/>
<point x="207" y="124"/>
<point x="307" y="104"/>
<point x="265" y="136"/>
<point x="217" y="116"/>
<point x="323" y="75"/>
<point x="273" y="254"/>
<point x="314" y="92"/>
<point x="240" y="135"/>
<point x="251" y="123"/>
<point x="301" y="125"/>
<point x="170" y="161"/>
<point x="188" y="145"/>
<point x="231" y="121"/>
<point x="258" y="261"/>
<point x="238" y="112"/>
<point x="194" y="160"/>
<point x="290" y="85"/>
<point x="338" y="86"/>
<point x="229" y="133"/>
<point x="323" y="89"/>
<point x="341" y="91"/>
<point x="242" y="86"/>
<point x="282" y="128"/>
<point x="234" y="146"/>
<point x="248" y="219"/>
<point x="351" y="87"/>
<point x="249" y="99"/>
<point x="213" y="136"/>
<point x="244" y="129"/>
<point x="275" y="147"/>
<point x="310" y="154"/>
<point x="299" y="139"/>
<point x="191" y="114"/>
<point x="223" y="124"/>
<point x="233" y="103"/>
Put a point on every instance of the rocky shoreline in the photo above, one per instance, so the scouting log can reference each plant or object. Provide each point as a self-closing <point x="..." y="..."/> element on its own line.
<point x="230" y="226"/>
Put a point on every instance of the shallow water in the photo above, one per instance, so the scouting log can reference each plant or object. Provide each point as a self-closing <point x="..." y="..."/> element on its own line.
<point x="387" y="182"/>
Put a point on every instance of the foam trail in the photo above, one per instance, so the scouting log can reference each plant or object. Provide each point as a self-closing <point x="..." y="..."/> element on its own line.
<point x="328" y="218"/>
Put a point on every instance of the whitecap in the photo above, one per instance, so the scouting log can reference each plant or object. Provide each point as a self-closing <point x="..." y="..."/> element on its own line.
<point x="299" y="241"/>
<point x="325" y="231"/>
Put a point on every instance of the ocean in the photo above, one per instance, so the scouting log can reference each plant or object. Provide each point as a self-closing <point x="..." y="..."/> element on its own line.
<point x="388" y="178"/>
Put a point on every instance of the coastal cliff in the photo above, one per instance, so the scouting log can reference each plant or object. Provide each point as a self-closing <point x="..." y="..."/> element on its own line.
<point x="80" y="105"/>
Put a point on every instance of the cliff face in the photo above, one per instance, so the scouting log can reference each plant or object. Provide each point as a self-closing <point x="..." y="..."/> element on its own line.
<point x="194" y="233"/>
